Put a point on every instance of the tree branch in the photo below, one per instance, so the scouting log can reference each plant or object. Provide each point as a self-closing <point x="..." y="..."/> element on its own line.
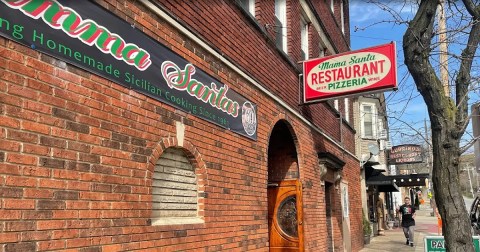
<point x="416" y="46"/>
<point x="468" y="145"/>
<point x="463" y="80"/>
<point x="472" y="9"/>
<point x="417" y="132"/>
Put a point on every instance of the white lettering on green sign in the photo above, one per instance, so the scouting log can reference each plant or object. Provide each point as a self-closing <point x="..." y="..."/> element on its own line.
<point x="437" y="244"/>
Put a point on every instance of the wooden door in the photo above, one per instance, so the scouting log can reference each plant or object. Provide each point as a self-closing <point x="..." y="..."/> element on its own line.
<point x="285" y="216"/>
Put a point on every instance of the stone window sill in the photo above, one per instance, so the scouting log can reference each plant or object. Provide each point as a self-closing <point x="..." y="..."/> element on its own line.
<point x="177" y="221"/>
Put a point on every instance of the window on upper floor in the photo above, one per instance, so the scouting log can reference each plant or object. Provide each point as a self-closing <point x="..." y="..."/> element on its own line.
<point x="332" y="5"/>
<point x="335" y="104"/>
<point x="368" y="117"/>
<point x="381" y="132"/>
<point x="321" y="52"/>
<point x="248" y="5"/>
<point x="342" y="17"/>
<point x="347" y="109"/>
<point x="281" y="24"/>
<point x="304" y="38"/>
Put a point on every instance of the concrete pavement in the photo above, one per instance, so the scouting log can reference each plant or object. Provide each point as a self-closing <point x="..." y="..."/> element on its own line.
<point x="394" y="240"/>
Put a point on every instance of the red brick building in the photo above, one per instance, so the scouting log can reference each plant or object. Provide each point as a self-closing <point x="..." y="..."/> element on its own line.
<point x="216" y="154"/>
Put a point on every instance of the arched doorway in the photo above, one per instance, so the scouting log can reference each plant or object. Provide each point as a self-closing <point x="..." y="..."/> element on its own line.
<point x="285" y="213"/>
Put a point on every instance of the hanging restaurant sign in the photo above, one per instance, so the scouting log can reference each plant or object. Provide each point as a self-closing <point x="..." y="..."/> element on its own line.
<point x="406" y="154"/>
<point x="367" y="70"/>
<point x="88" y="36"/>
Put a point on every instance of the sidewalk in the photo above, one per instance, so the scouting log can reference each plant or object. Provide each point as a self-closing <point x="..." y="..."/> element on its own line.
<point x="394" y="240"/>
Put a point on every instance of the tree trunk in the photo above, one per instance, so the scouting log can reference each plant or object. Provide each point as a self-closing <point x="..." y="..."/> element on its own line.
<point x="447" y="120"/>
<point x="456" y="225"/>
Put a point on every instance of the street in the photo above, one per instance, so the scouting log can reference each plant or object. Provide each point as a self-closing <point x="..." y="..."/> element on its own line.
<point x="468" y="202"/>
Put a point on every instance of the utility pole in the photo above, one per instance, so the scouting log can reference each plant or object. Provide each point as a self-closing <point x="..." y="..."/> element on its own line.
<point x="442" y="37"/>
<point x="475" y="177"/>
<point x="470" y="180"/>
<point x="430" y="167"/>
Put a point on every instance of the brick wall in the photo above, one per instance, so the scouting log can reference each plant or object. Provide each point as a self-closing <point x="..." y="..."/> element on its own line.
<point x="260" y="59"/>
<point x="77" y="151"/>
<point x="332" y="23"/>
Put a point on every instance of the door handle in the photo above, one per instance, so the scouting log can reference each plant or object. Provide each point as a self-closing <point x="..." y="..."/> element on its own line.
<point x="300" y="223"/>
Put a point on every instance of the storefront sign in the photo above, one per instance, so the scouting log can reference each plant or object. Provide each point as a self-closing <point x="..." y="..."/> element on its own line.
<point x="368" y="70"/>
<point x="437" y="243"/>
<point x="86" y="35"/>
<point x="406" y="154"/>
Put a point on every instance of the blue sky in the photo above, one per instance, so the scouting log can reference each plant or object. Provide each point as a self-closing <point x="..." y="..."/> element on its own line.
<point x="371" y="24"/>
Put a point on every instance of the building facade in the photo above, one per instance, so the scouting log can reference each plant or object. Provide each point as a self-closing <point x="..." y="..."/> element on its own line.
<point x="372" y="148"/>
<point x="173" y="125"/>
<point x="386" y="175"/>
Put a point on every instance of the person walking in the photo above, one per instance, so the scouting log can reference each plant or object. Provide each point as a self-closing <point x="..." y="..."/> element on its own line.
<point x="408" y="221"/>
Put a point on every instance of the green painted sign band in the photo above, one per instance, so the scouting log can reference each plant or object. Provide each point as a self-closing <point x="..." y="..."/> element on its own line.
<point x="437" y="243"/>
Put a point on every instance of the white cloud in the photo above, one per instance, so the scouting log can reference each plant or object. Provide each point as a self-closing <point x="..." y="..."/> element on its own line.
<point x="361" y="12"/>
<point x="371" y="11"/>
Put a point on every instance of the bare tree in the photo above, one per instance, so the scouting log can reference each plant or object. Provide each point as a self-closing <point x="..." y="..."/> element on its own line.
<point x="448" y="113"/>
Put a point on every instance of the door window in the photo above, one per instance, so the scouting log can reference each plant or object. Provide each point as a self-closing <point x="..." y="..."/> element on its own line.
<point x="287" y="216"/>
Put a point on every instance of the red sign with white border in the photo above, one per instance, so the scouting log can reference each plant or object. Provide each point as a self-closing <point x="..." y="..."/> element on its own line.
<point x="367" y="70"/>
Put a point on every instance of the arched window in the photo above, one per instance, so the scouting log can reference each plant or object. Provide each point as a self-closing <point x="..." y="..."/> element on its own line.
<point x="175" y="190"/>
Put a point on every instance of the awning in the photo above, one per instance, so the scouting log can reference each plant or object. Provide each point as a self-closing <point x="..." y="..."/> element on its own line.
<point x="382" y="182"/>
<point x="416" y="179"/>
<point x="380" y="168"/>
<point x="391" y="183"/>
<point x="371" y="171"/>
<point x="370" y="163"/>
